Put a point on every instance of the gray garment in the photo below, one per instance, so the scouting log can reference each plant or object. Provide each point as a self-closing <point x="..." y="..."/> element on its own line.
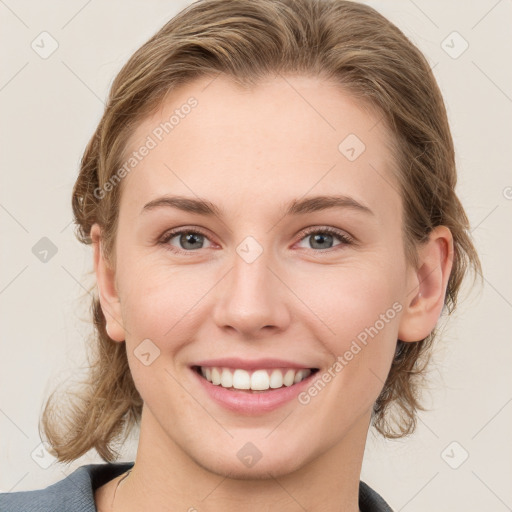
<point x="75" y="493"/>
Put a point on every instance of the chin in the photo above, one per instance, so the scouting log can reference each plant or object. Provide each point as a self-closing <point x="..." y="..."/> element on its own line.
<point x="275" y="466"/>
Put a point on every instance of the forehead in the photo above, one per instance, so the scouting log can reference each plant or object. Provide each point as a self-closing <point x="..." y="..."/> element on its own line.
<point x="282" y="139"/>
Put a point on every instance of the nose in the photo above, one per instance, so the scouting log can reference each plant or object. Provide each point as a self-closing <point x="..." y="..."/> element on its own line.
<point x="252" y="299"/>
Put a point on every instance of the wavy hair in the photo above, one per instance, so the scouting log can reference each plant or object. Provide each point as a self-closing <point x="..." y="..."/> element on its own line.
<point x="248" y="40"/>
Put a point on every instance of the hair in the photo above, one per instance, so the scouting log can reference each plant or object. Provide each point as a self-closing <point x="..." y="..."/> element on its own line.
<point x="249" y="40"/>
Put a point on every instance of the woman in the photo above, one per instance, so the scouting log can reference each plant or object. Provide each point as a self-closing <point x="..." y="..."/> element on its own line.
<point x="270" y="199"/>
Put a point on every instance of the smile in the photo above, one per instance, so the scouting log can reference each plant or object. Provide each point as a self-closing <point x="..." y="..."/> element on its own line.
<point x="252" y="392"/>
<point x="259" y="380"/>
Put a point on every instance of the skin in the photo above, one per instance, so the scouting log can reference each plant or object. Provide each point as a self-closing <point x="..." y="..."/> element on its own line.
<point x="250" y="152"/>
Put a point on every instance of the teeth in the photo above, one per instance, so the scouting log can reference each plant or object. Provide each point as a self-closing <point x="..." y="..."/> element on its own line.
<point x="259" y="380"/>
<point x="241" y="379"/>
<point x="300" y="376"/>
<point x="276" y="379"/>
<point x="215" y="376"/>
<point x="288" y="378"/>
<point x="226" y="379"/>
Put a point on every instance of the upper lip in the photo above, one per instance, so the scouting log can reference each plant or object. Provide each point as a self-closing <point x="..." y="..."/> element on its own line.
<point x="247" y="364"/>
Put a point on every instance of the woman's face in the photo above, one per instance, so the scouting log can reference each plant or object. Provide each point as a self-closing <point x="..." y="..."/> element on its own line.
<point x="272" y="274"/>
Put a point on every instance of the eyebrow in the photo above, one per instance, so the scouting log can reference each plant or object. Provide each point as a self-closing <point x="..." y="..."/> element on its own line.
<point x="296" y="207"/>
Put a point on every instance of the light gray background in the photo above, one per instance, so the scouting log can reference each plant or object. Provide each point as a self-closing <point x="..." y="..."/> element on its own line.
<point x="50" y="108"/>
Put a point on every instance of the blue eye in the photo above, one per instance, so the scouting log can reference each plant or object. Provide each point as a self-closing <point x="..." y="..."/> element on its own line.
<point x="191" y="240"/>
<point x="320" y="236"/>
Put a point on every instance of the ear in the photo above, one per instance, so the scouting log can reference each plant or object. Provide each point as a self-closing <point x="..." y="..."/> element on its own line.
<point x="105" y="278"/>
<point x="426" y="286"/>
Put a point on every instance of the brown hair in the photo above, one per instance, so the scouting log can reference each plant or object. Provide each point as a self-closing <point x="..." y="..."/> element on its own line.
<point x="247" y="40"/>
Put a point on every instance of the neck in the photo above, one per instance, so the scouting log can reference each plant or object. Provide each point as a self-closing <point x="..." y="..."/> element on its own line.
<point x="164" y="478"/>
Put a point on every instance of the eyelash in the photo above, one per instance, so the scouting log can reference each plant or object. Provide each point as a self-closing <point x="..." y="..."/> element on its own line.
<point x="345" y="239"/>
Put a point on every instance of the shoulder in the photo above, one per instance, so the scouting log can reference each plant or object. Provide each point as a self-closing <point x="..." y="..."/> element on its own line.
<point x="371" y="501"/>
<point x="75" y="493"/>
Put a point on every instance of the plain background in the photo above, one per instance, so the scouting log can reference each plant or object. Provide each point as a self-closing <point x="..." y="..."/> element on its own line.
<point x="50" y="108"/>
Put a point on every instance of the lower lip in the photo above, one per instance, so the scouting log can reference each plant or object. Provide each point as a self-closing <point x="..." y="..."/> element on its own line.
<point x="253" y="403"/>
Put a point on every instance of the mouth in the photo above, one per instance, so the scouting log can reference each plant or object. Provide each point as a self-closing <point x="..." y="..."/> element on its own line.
<point x="264" y="380"/>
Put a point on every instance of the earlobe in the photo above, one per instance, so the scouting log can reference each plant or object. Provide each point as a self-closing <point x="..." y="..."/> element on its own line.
<point x="108" y="296"/>
<point x="426" y="286"/>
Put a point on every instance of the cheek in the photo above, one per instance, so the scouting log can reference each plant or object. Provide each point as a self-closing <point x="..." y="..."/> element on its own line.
<point x="365" y="324"/>
<point x="361" y="309"/>
<point x="351" y="299"/>
<point x="156" y="299"/>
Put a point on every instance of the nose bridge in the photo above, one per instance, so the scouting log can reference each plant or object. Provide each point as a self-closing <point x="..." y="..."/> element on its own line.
<point x="252" y="296"/>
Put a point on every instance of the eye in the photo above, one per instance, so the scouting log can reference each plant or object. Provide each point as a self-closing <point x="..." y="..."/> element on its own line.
<point x="320" y="237"/>
<point x="188" y="240"/>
